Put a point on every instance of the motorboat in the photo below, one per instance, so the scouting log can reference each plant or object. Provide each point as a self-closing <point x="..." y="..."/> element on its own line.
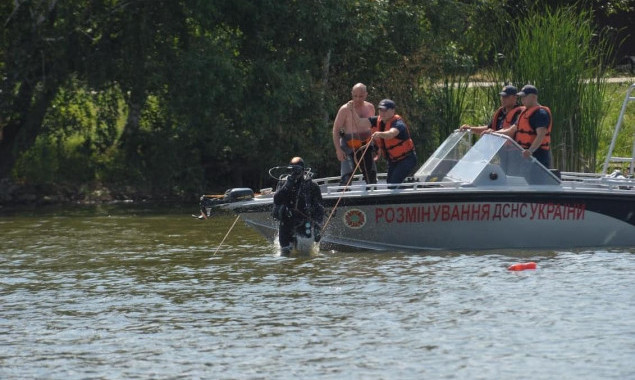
<point x="470" y="196"/>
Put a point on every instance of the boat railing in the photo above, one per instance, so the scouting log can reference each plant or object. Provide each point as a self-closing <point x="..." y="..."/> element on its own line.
<point x="377" y="188"/>
<point x="609" y="157"/>
<point x="575" y="176"/>
<point x="333" y="181"/>
<point x="614" y="181"/>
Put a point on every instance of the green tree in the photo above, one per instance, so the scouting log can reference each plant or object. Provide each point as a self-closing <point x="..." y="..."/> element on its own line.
<point x="35" y="63"/>
<point x="178" y="97"/>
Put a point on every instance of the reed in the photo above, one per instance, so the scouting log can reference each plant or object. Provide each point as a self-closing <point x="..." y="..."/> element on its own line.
<point x="564" y="56"/>
<point x="451" y="98"/>
<point x="592" y="112"/>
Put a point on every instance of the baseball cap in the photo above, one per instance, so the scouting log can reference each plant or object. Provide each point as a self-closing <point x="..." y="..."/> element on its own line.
<point x="528" y="89"/>
<point x="386" y="104"/>
<point x="508" y="90"/>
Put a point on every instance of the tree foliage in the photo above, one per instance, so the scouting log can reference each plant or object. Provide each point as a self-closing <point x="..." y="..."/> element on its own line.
<point x="177" y="97"/>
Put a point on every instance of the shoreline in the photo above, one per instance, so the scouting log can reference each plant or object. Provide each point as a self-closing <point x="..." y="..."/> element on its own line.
<point x="14" y="195"/>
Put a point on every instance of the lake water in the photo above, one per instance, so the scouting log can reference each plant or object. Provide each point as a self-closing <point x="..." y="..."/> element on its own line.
<point x="137" y="293"/>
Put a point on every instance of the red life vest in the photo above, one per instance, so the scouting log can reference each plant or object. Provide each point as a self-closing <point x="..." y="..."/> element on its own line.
<point x="394" y="149"/>
<point x="525" y="134"/>
<point x="509" y="118"/>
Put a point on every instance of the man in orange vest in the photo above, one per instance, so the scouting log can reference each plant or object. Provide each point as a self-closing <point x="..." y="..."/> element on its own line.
<point x="533" y="129"/>
<point x="504" y="117"/>
<point x="392" y="137"/>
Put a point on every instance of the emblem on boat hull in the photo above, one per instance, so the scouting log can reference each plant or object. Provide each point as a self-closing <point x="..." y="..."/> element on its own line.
<point x="355" y="218"/>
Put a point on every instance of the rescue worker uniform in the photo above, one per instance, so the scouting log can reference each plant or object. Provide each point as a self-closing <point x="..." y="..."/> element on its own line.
<point x="530" y="120"/>
<point x="503" y="119"/>
<point x="399" y="151"/>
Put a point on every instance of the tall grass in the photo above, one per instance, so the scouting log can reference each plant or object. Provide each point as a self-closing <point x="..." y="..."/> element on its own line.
<point x="594" y="107"/>
<point x="451" y="100"/>
<point x="564" y="56"/>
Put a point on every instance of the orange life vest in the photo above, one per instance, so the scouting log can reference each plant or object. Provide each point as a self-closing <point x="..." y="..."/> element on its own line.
<point x="525" y="134"/>
<point x="394" y="149"/>
<point x="355" y="141"/>
<point x="509" y="118"/>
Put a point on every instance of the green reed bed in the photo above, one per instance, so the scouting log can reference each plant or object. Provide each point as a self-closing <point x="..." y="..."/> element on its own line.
<point x="451" y="98"/>
<point x="564" y="56"/>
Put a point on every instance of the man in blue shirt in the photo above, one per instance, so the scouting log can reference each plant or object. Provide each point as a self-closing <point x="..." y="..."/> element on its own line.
<point x="392" y="137"/>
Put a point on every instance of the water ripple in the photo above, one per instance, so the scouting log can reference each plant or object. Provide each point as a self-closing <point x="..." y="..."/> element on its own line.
<point x="145" y="297"/>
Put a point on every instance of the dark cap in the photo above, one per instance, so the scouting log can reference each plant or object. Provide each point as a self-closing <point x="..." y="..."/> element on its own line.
<point x="508" y="91"/>
<point x="528" y="89"/>
<point x="387" y="104"/>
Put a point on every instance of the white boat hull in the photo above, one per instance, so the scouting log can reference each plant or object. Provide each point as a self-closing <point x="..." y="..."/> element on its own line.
<point x="480" y="197"/>
<point x="548" y="221"/>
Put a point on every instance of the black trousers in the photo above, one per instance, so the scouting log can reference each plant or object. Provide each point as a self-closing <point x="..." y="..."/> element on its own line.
<point x="285" y="232"/>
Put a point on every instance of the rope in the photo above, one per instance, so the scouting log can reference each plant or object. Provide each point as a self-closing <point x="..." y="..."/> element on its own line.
<point x="357" y="134"/>
<point x="227" y="234"/>
<point x="344" y="190"/>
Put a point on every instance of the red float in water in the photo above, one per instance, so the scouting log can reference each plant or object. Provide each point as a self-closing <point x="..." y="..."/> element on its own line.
<point x="522" y="266"/>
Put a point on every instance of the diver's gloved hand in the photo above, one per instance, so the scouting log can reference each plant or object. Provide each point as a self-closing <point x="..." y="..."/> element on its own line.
<point x="288" y="185"/>
<point x="317" y="232"/>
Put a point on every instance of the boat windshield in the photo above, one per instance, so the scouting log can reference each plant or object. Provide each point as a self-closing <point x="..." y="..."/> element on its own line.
<point x="444" y="158"/>
<point x="493" y="160"/>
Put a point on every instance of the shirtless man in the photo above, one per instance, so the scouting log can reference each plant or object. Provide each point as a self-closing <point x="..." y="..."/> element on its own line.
<point x="351" y="131"/>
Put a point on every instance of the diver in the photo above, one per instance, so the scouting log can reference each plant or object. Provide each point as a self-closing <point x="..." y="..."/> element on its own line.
<point x="298" y="207"/>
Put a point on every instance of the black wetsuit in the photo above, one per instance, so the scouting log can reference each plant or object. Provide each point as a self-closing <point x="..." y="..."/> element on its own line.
<point x="297" y="202"/>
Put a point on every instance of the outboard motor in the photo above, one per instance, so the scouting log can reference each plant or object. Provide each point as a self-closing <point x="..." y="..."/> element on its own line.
<point x="208" y="202"/>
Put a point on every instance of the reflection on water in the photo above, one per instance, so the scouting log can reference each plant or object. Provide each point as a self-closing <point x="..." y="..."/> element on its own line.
<point x="138" y="293"/>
